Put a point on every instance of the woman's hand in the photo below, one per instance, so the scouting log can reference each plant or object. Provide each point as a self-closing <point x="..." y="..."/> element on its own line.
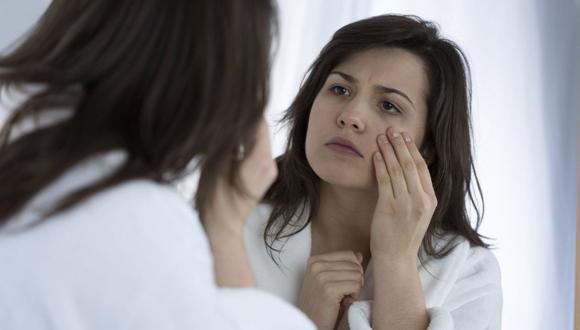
<point x="330" y="279"/>
<point x="405" y="205"/>
<point x="225" y="218"/>
<point x="406" y="199"/>
<point x="257" y="171"/>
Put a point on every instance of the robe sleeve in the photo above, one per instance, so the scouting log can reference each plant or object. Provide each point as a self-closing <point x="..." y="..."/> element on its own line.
<point x="474" y="301"/>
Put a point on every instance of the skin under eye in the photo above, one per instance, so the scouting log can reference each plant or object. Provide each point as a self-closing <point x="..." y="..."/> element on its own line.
<point x="339" y="90"/>
<point x="389" y="107"/>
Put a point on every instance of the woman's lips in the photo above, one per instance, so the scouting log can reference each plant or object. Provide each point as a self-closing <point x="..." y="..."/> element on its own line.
<point x="342" y="149"/>
<point x="343" y="146"/>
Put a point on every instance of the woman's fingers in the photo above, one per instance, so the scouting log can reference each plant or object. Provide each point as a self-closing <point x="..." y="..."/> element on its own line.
<point x="258" y="169"/>
<point x="331" y="276"/>
<point x="333" y="280"/>
<point x="340" y="289"/>
<point x="422" y="168"/>
<point x="346" y="255"/>
<point x="396" y="177"/>
<point x="405" y="160"/>
<point x="382" y="175"/>
<point x="320" y="266"/>
<point x="335" y="267"/>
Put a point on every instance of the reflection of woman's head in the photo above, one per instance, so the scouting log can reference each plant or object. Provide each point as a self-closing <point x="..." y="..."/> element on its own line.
<point x="362" y="96"/>
<point x="375" y="73"/>
<point x="164" y="80"/>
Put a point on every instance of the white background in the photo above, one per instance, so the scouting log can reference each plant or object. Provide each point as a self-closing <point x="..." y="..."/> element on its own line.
<point x="524" y="60"/>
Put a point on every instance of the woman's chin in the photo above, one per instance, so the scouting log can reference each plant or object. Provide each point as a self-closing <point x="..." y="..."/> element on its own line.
<point x="344" y="180"/>
<point x="343" y="174"/>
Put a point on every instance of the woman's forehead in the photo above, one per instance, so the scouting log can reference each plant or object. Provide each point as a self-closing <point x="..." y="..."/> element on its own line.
<point x="390" y="64"/>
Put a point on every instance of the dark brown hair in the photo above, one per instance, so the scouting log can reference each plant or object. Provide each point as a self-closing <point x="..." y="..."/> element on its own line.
<point x="164" y="80"/>
<point x="447" y="143"/>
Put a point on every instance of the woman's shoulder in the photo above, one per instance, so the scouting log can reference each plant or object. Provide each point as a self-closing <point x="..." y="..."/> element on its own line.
<point x="126" y="241"/>
<point x="134" y="213"/>
<point x="134" y="202"/>
<point x="136" y="227"/>
<point x="131" y="216"/>
<point x="144" y="197"/>
<point x="147" y="212"/>
<point x="464" y="260"/>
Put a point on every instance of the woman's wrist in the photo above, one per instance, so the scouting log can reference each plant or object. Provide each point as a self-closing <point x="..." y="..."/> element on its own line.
<point x="393" y="259"/>
<point x="226" y="240"/>
<point x="393" y="269"/>
<point x="398" y="288"/>
<point x="223" y="228"/>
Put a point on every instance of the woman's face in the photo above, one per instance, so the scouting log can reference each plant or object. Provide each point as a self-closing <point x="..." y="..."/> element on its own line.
<point x="363" y="96"/>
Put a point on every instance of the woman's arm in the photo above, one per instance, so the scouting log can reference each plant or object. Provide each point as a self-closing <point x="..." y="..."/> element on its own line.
<point x="332" y="280"/>
<point x="406" y="202"/>
<point x="465" y="285"/>
<point x="398" y="292"/>
<point x="229" y="209"/>
<point x="231" y="264"/>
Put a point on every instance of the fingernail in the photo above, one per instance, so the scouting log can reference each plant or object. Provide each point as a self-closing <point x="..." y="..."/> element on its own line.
<point x="407" y="137"/>
<point x="383" y="139"/>
<point x="395" y="133"/>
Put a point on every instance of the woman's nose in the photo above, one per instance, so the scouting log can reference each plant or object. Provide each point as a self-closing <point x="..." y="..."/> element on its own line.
<point x="350" y="118"/>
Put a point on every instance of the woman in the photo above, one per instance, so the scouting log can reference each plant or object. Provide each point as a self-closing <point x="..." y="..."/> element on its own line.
<point x="370" y="201"/>
<point x="121" y="96"/>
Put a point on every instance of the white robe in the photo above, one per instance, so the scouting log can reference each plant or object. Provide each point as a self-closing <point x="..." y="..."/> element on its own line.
<point x="462" y="291"/>
<point x="132" y="257"/>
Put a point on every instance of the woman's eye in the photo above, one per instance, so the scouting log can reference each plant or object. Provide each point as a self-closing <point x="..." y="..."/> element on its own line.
<point x="339" y="90"/>
<point x="389" y="107"/>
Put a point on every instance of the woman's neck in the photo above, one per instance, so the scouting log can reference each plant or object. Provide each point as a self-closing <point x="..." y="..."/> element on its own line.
<point x="343" y="220"/>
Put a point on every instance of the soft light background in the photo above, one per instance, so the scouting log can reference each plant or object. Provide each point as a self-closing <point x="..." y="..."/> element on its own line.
<point x="524" y="60"/>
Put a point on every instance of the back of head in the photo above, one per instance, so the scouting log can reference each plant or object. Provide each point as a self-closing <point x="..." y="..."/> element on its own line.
<point x="164" y="80"/>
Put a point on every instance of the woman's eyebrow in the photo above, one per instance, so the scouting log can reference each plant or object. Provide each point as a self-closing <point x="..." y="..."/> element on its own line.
<point x="379" y="88"/>
<point x="384" y="89"/>
<point x="345" y="76"/>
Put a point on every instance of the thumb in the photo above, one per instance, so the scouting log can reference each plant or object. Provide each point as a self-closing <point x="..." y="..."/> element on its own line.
<point x="347" y="301"/>
<point x="359" y="257"/>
